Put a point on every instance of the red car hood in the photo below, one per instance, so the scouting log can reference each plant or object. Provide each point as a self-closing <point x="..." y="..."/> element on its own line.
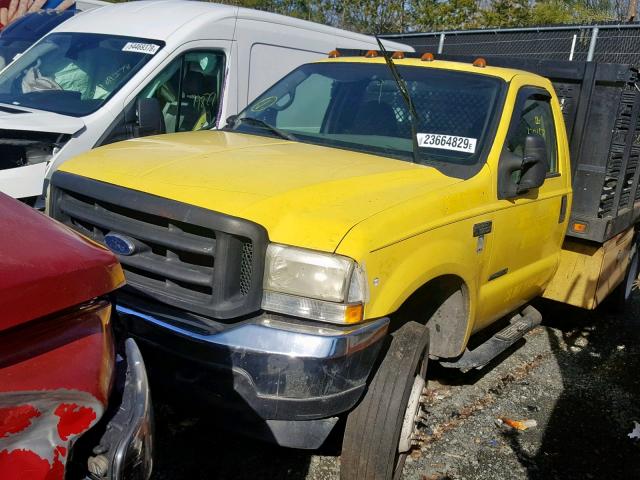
<point x="45" y="267"/>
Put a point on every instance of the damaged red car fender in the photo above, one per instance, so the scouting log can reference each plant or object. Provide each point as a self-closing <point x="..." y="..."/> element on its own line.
<point x="56" y="346"/>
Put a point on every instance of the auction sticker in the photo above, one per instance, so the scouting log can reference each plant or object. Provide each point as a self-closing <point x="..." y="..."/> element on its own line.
<point x="148" y="48"/>
<point x="447" y="142"/>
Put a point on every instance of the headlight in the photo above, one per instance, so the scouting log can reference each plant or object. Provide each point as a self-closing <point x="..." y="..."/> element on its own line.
<point x="314" y="285"/>
<point x="307" y="273"/>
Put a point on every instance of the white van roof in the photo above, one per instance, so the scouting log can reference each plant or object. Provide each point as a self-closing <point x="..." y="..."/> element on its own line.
<point x="161" y="19"/>
<point x="85" y="5"/>
<point x="155" y="20"/>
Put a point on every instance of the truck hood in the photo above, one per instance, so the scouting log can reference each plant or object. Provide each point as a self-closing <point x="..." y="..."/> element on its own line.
<point x="19" y="118"/>
<point x="303" y="194"/>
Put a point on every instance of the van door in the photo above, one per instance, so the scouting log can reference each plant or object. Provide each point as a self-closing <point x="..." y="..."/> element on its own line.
<point x="269" y="63"/>
<point x="189" y="90"/>
<point x="529" y="227"/>
<point x="269" y="51"/>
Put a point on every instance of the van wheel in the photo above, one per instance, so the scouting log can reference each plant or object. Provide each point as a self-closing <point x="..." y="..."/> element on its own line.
<point x="622" y="293"/>
<point x="381" y="430"/>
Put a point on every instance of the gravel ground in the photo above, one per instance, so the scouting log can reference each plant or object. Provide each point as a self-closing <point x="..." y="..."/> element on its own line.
<point x="576" y="376"/>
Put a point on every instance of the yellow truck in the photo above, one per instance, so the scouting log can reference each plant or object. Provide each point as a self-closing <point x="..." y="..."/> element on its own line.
<point x="363" y="216"/>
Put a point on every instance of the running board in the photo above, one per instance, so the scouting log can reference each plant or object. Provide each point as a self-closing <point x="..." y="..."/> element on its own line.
<point x="519" y="325"/>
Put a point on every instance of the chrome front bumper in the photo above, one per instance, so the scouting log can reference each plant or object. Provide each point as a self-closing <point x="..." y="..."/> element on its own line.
<point x="279" y="369"/>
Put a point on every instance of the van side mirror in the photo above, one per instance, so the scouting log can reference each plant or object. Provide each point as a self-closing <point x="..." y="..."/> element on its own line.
<point x="519" y="174"/>
<point x="149" y="117"/>
<point x="231" y="121"/>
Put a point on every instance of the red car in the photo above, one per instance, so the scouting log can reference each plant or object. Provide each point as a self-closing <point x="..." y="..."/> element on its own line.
<point x="60" y="375"/>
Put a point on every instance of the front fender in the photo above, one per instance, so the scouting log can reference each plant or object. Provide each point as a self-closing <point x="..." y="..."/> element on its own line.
<point x="395" y="272"/>
<point x="55" y="378"/>
<point x="406" y="246"/>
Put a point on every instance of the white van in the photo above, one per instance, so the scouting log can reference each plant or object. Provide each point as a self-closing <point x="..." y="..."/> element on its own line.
<point x="142" y="68"/>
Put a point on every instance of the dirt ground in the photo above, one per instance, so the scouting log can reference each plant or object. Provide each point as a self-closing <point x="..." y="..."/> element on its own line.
<point x="577" y="376"/>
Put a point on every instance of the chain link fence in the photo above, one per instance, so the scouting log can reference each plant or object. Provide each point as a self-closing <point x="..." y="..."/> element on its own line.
<point x="601" y="43"/>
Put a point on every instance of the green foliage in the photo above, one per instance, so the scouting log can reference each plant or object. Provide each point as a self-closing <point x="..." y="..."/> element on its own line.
<point x="506" y="13"/>
<point x="549" y="12"/>
<point x="383" y="16"/>
<point x="378" y="16"/>
<point x="439" y="15"/>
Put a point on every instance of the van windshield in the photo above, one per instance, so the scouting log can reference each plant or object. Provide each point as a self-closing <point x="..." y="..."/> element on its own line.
<point x="358" y="106"/>
<point x="74" y="73"/>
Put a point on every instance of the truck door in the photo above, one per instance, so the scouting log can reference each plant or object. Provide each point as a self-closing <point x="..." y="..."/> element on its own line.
<point x="528" y="227"/>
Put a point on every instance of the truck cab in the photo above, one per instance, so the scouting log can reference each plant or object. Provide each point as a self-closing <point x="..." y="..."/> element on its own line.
<point x="330" y="240"/>
<point x="140" y="68"/>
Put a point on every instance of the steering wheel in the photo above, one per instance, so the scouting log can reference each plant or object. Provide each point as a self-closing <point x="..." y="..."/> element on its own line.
<point x="44" y="84"/>
<point x="166" y="93"/>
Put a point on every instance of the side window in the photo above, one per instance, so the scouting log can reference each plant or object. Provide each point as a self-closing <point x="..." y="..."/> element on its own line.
<point x="534" y="118"/>
<point x="307" y="113"/>
<point x="189" y="91"/>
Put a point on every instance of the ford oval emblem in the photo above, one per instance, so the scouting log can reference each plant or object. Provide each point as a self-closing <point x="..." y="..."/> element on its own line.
<point x="120" y="244"/>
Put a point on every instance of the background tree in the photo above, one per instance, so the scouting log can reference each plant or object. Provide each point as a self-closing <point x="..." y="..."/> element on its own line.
<point x="548" y="12"/>
<point x="439" y="15"/>
<point x="384" y="16"/>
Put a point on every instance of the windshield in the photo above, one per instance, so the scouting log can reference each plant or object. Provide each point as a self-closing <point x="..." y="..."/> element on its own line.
<point x="24" y="32"/>
<point x="358" y="107"/>
<point x="10" y="47"/>
<point x="74" y="73"/>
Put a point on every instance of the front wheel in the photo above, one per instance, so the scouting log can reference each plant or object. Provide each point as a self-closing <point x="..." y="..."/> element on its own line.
<point x="382" y="428"/>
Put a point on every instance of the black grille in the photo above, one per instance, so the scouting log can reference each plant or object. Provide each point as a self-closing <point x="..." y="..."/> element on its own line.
<point x="189" y="257"/>
<point x="624" y="153"/>
<point x="245" y="268"/>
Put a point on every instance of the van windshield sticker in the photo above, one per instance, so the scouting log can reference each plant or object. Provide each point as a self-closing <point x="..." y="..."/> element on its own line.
<point x="447" y="142"/>
<point x="264" y="103"/>
<point x="148" y="48"/>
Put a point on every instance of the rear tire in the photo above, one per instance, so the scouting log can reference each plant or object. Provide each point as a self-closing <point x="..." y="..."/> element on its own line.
<point x="621" y="295"/>
<point x="370" y="449"/>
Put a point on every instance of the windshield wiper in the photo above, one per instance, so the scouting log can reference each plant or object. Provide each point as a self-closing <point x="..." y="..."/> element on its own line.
<point x="261" y="123"/>
<point x="404" y="91"/>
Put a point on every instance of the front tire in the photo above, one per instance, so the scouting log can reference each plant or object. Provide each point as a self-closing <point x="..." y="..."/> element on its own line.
<point x="378" y="433"/>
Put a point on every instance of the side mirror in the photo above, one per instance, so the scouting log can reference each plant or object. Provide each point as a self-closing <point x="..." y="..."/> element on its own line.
<point x="534" y="163"/>
<point x="519" y="174"/>
<point x="231" y="121"/>
<point x="149" y="116"/>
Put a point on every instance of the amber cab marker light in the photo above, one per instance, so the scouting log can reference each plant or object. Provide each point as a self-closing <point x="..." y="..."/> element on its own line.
<point x="480" y="62"/>
<point x="427" y="57"/>
<point x="579" y="227"/>
<point x="371" y="54"/>
<point x="397" y="55"/>
<point x="334" y="54"/>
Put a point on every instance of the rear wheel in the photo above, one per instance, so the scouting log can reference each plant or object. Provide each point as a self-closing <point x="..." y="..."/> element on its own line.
<point x="381" y="430"/>
<point x="622" y="293"/>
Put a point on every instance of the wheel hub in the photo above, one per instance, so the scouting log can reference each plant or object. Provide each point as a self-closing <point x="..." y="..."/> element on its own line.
<point x="409" y="424"/>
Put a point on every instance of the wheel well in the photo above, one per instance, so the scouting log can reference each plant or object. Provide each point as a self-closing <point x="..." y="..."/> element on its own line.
<point x="443" y="305"/>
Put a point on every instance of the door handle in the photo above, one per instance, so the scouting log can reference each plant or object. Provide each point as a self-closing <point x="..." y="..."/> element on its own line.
<point x="563" y="209"/>
<point x="482" y="228"/>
